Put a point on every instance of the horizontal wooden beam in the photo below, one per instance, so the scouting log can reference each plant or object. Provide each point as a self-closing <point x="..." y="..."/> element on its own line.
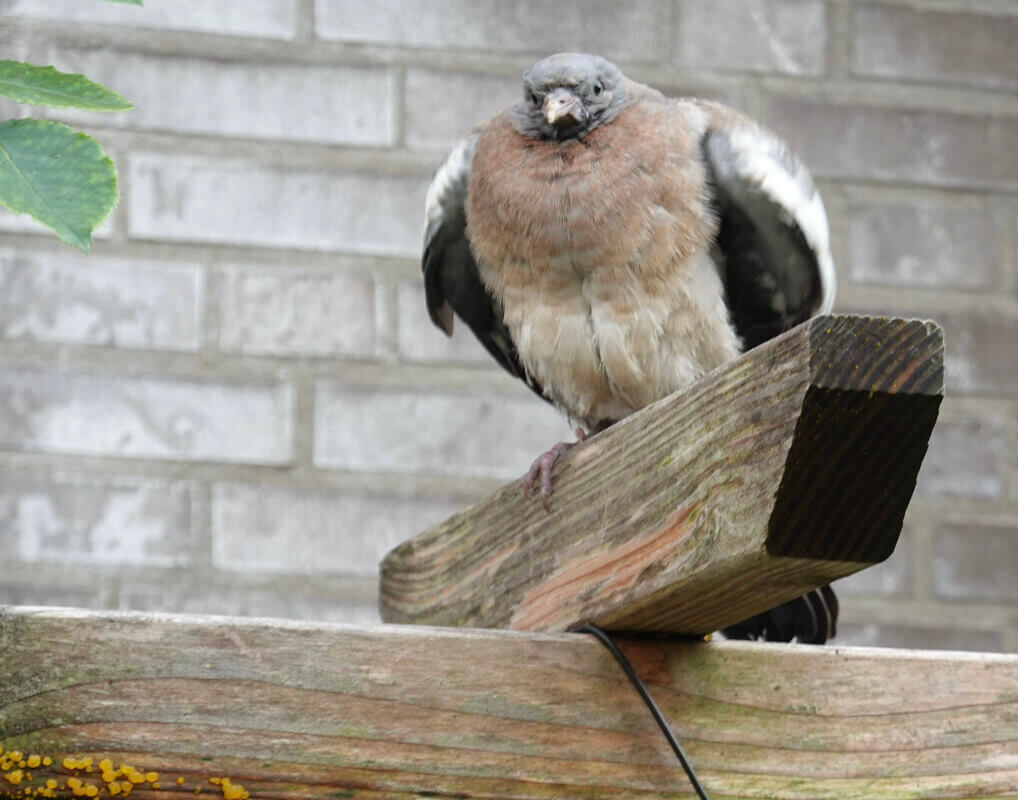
<point x="777" y="473"/>
<point x="291" y="710"/>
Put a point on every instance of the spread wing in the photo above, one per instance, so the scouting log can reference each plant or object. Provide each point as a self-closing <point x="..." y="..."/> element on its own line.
<point x="773" y="246"/>
<point x="773" y="253"/>
<point x="452" y="284"/>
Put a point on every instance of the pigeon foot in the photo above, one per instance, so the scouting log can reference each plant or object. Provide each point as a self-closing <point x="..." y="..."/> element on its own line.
<point x="537" y="481"/>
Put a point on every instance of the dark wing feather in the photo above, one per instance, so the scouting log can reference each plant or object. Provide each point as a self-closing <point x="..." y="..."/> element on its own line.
<point x="452" y="283"/>
<point x="773" y="255"/>
<point x="772" y="246"/>
<point x="812" y="619"/>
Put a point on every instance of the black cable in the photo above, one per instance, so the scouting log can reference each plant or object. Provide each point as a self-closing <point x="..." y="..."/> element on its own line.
<point x="606" y="640"/>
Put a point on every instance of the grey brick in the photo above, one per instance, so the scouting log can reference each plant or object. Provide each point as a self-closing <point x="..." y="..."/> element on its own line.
<point x="441" y="107"/>
<point x="980" y="352"/>
<point x="916" y="637"/>
<point x="291" y="312"/>
<point x="253" y="100"/>
<point x="181" y="198"/>
<point x="887" y="578"/>
<point x="889" y="144"/>
<point x="926" y="44"/>
<point x="923" y="244"/>
<point x="758" y="35"/>
<point x="68" y="297"/>
<point x="447" y="432"/>
<point x="183" y="596"/>
<point x="278" y="530"/>
<point x="273" y="19"/>
<point x="967" y="458"/>
<point x="976" y="562"/>
<point x="420" y="340"/>
<point x="63" y="411"/>
<point x="632" y="30"/>
<point x="28" y="592"/>
<point x="691" y="83"/>
<point x="117" y="521"/>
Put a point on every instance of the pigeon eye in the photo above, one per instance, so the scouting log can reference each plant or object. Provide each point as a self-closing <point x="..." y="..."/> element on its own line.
<point x="598" y="88"/>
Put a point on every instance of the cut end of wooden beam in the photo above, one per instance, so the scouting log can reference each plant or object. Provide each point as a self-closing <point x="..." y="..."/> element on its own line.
<point x="875" y="354"/>
<point x="785" y="469"/>
<point x="860" y="439"/>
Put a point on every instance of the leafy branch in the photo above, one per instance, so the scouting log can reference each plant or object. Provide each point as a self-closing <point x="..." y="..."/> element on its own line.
<point x="49" y="171"/>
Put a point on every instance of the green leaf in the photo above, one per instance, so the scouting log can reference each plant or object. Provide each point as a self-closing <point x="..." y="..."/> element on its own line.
<point x="60" y="177"/>
<point x="27" y="83"/>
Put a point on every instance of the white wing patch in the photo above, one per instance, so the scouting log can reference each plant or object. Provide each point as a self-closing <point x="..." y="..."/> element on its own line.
<point x="767" y="161"/>
<point x="445" y="221"/>
<point x="449" y="182"/>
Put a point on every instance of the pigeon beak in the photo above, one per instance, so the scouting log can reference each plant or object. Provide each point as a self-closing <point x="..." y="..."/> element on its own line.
<point x="563" y="109"/>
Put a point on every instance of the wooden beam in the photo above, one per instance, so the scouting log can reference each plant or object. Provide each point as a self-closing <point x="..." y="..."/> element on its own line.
<point x="291" y="710"/>
<point x="777" y="473"/>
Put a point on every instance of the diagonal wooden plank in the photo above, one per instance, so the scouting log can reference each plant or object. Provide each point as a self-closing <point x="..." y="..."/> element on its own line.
<point x="777" y="473"/>
<point x="292" y="710"/>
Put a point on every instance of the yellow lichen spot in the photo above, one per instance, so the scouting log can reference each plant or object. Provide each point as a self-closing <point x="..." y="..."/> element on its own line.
<point x="14" y="778"/>
<point x="91" y="791"/>
<point x="51" y="783"/>
<point x="233" y="791"/>
<point x="151" y="777"/>
<point x="106" y="765"/>
<point x="33" y="761"/>
<point x="155" y="785"/>
<point x="14" y="755"/>
<point x="179" y="781"/>
<point x="69" y="763"/>
<point x="114" y="788"/>
<point x="216" y="781"/>
<point x="46" y="761"/>
<point x="74" y="785"/>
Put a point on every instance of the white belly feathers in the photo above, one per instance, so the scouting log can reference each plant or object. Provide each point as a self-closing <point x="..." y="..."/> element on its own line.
<point x="603" y="348"/>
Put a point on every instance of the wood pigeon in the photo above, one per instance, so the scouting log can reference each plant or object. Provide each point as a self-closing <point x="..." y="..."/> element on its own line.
<point x="609" y="246"/>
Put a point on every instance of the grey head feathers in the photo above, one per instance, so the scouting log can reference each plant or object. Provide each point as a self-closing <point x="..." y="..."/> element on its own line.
<point x="590" y="88"/>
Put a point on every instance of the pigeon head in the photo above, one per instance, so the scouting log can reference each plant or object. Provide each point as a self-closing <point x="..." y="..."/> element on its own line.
<point x="567" y="95"/>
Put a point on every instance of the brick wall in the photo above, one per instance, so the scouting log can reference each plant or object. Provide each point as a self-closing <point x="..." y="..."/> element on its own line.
<point x="237" y="403"/>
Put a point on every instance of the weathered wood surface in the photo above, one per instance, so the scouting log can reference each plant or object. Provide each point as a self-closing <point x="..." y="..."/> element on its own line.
<point x="290" y="710"/>
<point x="780" y="472"/>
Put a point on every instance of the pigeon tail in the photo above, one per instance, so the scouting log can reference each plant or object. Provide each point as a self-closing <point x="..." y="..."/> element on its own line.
<point x="810" y="619"/>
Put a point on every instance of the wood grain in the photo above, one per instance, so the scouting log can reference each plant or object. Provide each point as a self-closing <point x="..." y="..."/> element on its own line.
<point x="788" y="468"/>
<point x="289" y="710"/>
